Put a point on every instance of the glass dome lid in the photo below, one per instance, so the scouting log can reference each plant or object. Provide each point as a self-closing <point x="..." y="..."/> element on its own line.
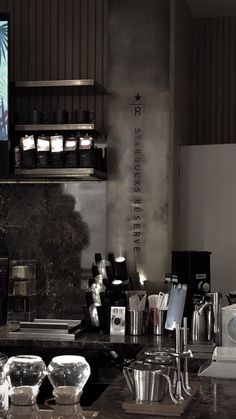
<point x="25" y="374"/>
<point x="68" y="370"/>
<point x="25" y="370"/>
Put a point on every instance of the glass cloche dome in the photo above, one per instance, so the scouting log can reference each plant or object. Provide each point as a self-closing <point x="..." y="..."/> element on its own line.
<point x="68" y="374"/>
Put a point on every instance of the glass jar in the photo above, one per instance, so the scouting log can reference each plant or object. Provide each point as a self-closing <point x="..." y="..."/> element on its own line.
<point x="68" y="374"/>
<point x="25" y="374"/>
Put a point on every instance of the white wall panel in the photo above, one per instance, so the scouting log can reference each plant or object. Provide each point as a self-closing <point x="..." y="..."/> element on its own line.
<point x="207" y="208"/>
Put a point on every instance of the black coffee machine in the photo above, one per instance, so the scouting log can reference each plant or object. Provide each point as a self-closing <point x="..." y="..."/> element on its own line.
<point x="192" y="267"/>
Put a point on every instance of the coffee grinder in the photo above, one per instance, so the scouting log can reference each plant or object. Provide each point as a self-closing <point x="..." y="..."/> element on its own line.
<point x="192" y="267"/>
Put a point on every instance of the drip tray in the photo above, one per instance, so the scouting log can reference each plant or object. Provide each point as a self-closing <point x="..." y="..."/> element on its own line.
<point x="51" y="329"/>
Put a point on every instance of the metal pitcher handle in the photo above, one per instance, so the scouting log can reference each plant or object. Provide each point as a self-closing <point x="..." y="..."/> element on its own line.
<point x="174" y="400"/>
<point x="183" y="385"/>
<point x="128" y="378"/>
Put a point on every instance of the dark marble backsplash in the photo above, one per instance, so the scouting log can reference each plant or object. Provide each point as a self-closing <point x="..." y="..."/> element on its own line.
<point x="54" y="224"/>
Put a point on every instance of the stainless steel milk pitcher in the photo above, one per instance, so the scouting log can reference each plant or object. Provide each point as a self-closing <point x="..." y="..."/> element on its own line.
<point x="147" y="382"/>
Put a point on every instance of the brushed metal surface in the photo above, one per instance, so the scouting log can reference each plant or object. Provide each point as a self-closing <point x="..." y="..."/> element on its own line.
<point x="61" y="83"/>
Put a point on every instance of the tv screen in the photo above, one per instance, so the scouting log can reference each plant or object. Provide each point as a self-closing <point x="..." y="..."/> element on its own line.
<point x="3" y="79"/>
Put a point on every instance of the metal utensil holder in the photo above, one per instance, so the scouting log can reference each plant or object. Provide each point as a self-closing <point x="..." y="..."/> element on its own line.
<point x="181" y="382"/>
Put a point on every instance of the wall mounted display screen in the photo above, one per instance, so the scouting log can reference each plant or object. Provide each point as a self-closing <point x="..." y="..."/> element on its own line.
<point x="4" y="24"/>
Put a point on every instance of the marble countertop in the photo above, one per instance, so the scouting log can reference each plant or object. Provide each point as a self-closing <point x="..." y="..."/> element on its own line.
<point x="91" y="338"/>
<point x="216" y="399"/>
<point x="89" y="342"/>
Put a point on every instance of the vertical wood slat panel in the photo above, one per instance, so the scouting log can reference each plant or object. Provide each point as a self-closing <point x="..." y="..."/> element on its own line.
<point x="24" y="38"/>
<point x="76" y="50"/>
<point x="99" y="55"/>
<point x="220" y="92"/>
<point x="84" y="49"/>
<point x="232" y="84"/>
<point x="9" y="9"/>
<point x="46" y="52"/>
<point x="3" y="6"/>
<point x="226" y="50"/>
<point x="213" y="63"/>
<point x="194" y="138"/>
<point x="24" y="34"/>
<point x="57" y="39"/>
<point x="39" y="56"/>
<point x="207" y="83"/>
<point x="16" y="71"/>
<point x="91" y="47"/>
<point x="32" y="48"/>
<point x="214" y="68"/>
<point x="68" y="52"/>
<point x="53" y="40"/>
<point x="201" y="81"/>
<point x="104" y="62"/>
<point x="61" y="63"/>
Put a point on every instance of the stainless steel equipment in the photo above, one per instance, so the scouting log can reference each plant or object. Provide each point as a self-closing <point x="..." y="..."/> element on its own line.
<point x="146" y="381"/>
<point x="185" y="347"/>
<point x="192" y="267"/>
<point x="206" y="324"/>
<point x="216" y="300"/>
<point x="201" y="322"/>
<point x="180" y="354"/>
<point x="22" y="291"/>
<point x="58" y="329"/>
<point x="163" y="357"/>
<point x="136" y="322"/>
<point x="167" y="361"/>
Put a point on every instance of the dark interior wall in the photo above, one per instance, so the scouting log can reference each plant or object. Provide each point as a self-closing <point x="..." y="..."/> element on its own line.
<point x="181" y="76"/>
<point x="214" y="67"/>
<point x="57" y="39"/>
<point x="182" y="71"/>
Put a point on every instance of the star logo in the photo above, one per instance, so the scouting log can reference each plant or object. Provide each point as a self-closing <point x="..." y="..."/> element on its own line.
<point x="138" y="101"/>
<point x="138" y="97"/>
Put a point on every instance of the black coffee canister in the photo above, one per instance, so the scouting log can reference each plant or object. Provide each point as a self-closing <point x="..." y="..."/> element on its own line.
<point x="60" y="117"/>
<point x="86" y="158"/>
<point x="35" y="117"/>
<point x="83" y="116"/>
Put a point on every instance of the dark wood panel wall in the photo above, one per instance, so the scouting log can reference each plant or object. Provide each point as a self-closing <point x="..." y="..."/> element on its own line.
<point x="214" y="64"/>
<point x="57" y="39"/>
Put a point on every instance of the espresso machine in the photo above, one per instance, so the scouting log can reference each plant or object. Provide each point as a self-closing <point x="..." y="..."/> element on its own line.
<point x="192" y="267"/>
